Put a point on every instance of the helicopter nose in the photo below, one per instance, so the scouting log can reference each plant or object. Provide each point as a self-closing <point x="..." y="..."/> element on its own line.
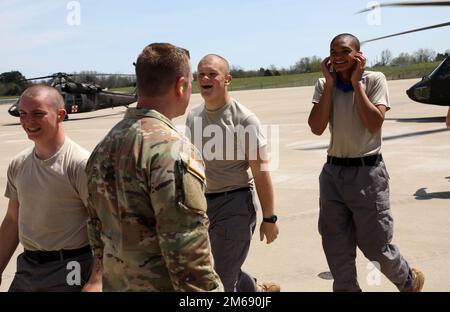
<point x="13" y="111"/>
<point x="420" y="92"/>
<point x="410" y="93"/>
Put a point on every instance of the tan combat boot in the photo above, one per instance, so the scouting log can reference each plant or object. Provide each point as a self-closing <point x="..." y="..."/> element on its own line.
<point x="269" y="287"/>
<point x="417" y="282"/>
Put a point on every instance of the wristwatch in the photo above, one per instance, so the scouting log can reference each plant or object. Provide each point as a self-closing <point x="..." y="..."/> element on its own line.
<point x="272" y="219"/>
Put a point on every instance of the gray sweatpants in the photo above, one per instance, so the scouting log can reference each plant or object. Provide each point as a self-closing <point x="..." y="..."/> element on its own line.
<point x="355" y="211"/>
<point x="232" y="223"/>
<point x="55" y="276"/>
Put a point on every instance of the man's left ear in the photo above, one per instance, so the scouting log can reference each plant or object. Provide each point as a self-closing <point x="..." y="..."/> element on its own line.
<point x="228" y="79"/>
<point x="180" y="86"/>
<point x="62" y="114"/>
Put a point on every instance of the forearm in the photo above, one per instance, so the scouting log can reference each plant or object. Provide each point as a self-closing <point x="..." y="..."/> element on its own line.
<point x="95" y="282"/>
<point x="371" y="117"/>
<point x="264" y="188"/>
<point x="96" y="273"/>
<point x="320" y="114"/>
<point x="9" y="239"/>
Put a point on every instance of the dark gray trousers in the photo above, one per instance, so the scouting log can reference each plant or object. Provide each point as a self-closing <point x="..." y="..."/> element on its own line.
<point x="54" y="276"/>
<point x="355" y="212"/>
<point x="232" y="223"/>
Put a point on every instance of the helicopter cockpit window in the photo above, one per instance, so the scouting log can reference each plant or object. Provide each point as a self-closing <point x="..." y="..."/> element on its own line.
<point x="69" y="99"/>
<point x="444" y="71"/>
<point x="78" y="99"/>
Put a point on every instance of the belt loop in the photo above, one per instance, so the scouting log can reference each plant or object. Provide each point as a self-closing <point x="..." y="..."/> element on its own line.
<point x="61" y="255"/>
<point x="363" y="162"/>
<point x="331" y="160"/>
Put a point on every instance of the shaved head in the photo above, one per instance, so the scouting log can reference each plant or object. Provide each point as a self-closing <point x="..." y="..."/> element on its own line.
<point x="50" y="94"/>
<point x="225" y="64"/>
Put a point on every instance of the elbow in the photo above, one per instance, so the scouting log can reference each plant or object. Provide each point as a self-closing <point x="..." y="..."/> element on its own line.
<point x="317" y="131"/>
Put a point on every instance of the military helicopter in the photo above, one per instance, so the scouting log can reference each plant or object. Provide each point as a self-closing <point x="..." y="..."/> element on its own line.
<point x="434" y="88"/>
<point x="81" y="97"/>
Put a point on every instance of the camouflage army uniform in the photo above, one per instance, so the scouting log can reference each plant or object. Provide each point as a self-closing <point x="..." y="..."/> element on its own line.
<point x="147" y="209"/>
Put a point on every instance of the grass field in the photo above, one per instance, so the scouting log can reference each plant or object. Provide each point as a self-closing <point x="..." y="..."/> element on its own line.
<point x="309" y="79"/>
<point x="288" y="81"/>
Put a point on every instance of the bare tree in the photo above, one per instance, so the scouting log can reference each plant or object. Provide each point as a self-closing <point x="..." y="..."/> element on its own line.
<point x="424" y="55"/>
<point x="386" y="58"/>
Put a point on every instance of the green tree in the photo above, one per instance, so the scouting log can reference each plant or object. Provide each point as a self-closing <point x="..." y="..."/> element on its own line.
<point x="12" y="83"/>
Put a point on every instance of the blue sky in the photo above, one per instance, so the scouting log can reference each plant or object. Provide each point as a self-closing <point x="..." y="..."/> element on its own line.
<point x="37" y="39"/>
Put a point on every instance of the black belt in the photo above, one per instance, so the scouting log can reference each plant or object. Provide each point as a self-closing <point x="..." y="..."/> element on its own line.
<point x="215" y="195"/>
<point x="49" y="256"/>
<point x="372" y="160"/>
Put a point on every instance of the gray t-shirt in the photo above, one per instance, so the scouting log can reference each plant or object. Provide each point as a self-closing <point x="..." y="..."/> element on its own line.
<point x="52" y="197"/>
<point x="227" y="138"/>
<point x="349" y="137"/>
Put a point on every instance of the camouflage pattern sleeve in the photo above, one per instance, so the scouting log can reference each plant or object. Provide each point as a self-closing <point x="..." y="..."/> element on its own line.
<point x="94" y="226"/>
<point x="177" y="184"/>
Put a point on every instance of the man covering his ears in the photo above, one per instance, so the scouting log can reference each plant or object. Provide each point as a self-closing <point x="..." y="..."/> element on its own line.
<point x="354" y="183"/>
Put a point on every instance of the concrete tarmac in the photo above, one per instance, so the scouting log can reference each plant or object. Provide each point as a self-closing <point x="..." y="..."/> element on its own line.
<point x="416" y="151"/>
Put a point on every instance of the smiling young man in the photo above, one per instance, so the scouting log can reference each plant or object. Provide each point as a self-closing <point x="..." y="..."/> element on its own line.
<point x="354" y="183"/>
<point x="47" y="191"/>
<point x="237" y="145"/>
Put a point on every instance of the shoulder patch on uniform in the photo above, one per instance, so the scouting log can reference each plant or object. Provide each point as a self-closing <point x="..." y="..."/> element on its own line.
<point x="196" y="167"/>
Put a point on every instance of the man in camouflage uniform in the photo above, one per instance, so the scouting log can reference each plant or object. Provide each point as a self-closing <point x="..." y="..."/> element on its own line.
<point x="148" y="218"/>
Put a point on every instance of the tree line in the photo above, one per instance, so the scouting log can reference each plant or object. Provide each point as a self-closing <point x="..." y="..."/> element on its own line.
<point x="14" y="83"/>
<point x="313" y="64"/>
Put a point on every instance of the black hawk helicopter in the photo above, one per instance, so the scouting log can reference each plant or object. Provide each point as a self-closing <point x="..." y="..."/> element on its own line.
<point x="81" y="97"/>
<point x="432" y="89"/>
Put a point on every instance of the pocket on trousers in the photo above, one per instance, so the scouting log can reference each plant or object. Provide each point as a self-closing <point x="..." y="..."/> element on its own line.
<point x="231" y="233"/>
<point x="385" y="221"/>
<point x="239" y="234"/>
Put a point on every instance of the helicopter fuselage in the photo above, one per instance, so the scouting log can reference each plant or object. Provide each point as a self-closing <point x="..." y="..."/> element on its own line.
<point x="83" y="103"/>
<point x="434" y="89"/>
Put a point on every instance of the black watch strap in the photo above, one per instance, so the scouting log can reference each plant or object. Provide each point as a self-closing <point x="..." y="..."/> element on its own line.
<point x="272" y="219"/>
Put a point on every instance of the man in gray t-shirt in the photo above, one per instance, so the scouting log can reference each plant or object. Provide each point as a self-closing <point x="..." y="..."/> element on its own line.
<point x="233" y="147"/>
<point x="47" y="214"/>
<point x="354" y="183"/>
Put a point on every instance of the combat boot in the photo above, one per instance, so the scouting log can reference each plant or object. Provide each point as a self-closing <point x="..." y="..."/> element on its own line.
<point x="269" y="287"/>
<point x="418" y="279"/>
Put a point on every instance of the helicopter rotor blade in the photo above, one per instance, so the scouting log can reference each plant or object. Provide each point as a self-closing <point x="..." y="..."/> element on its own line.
<point x="408" y="32"/>
<point x="402" y="4"/>
<point x="38" y="78"/>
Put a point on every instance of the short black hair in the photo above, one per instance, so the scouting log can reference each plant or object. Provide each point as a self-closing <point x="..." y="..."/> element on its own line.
<point x="347" y="35"/>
